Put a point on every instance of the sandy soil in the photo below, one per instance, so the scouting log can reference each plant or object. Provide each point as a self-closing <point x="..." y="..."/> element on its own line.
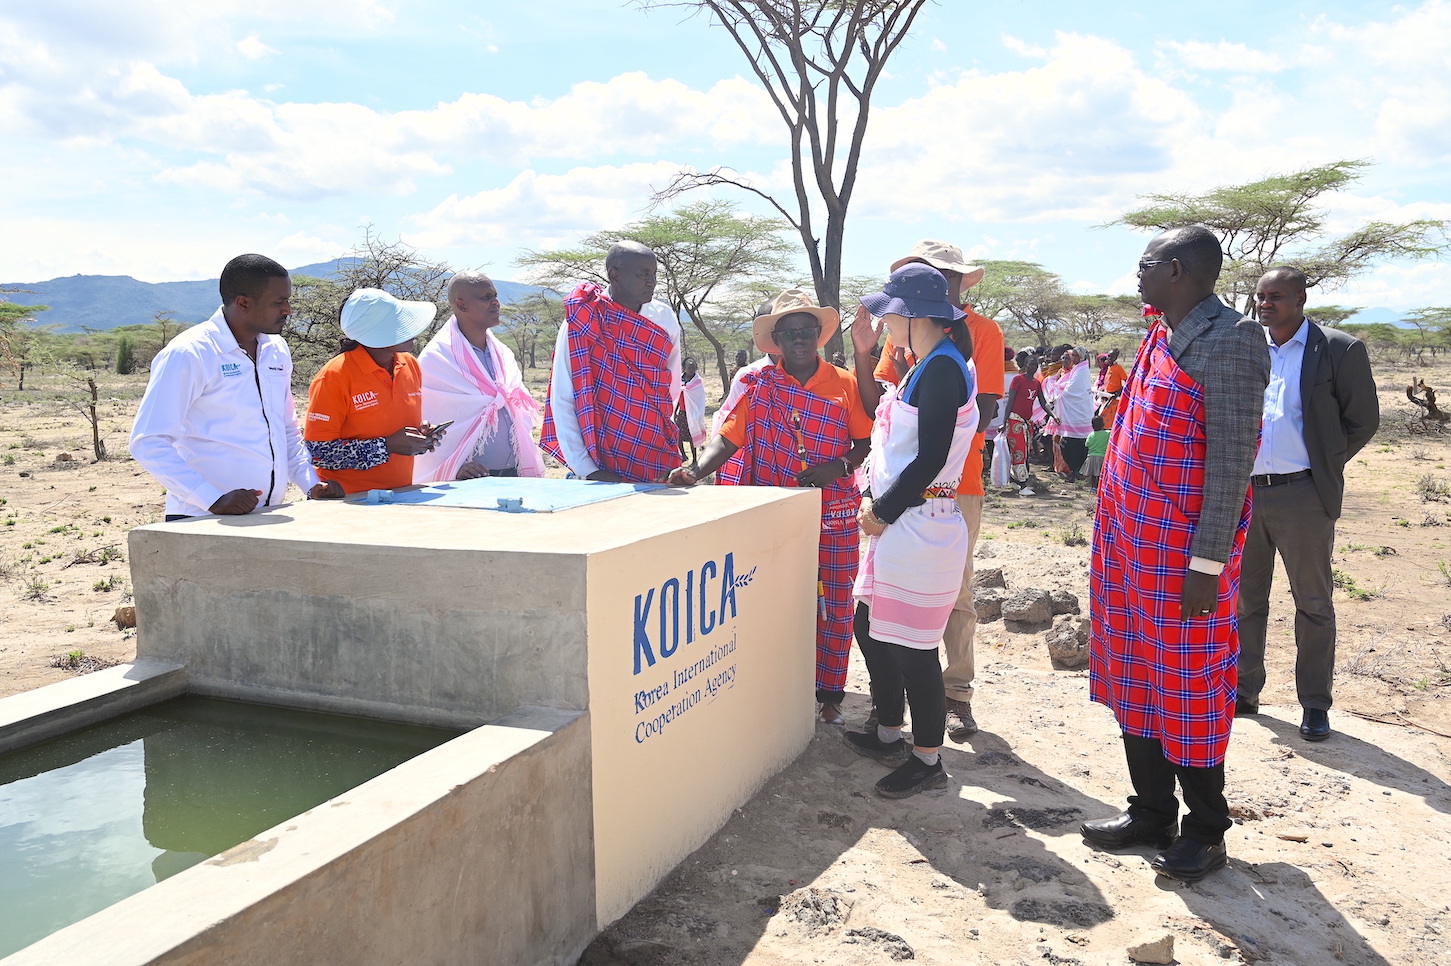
<point x="1340" y="854"/>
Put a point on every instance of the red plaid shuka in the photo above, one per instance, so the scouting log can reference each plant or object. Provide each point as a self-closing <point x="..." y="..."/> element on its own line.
<point x="619" y="363"/>
<point x="784" y="419"/>
<point x="1162" y="677"/>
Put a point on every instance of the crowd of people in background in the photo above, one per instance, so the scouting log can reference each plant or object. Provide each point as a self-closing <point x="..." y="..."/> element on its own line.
<point x="1192" y="495"/>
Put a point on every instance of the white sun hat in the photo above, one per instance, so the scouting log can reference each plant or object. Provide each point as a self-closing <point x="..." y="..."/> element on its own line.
<point x="373" y="318"/>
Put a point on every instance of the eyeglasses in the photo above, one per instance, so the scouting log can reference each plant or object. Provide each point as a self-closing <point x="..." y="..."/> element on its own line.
<point x="811" y="332"/>
<point x="1144" y="266"/>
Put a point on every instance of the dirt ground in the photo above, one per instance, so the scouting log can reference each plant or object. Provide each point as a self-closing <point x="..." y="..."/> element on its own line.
<point x="1339" y="855"/>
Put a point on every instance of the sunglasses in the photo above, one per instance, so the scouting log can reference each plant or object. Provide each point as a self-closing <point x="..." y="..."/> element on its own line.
<point x="811" y="332"/>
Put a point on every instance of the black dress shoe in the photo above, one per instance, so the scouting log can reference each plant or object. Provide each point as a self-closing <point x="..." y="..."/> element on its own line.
<point x="1245" y="707"/>
<point x="1124" y="830"/>
<point x="1190" y="861"/>
<point x="1315" y="725"/>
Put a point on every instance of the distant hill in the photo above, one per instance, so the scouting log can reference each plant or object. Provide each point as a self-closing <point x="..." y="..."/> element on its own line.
<point x="80" y="302"/>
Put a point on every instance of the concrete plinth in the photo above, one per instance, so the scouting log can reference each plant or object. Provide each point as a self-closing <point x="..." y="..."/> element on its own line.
<point x="682" y="622"/>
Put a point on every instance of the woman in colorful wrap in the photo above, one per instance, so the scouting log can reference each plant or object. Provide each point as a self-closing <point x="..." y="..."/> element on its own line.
<point x="1018" y="426"/>
<point x="365" y="406"/>
<point x="918" y="540"/>
<point x="800" y="422"/>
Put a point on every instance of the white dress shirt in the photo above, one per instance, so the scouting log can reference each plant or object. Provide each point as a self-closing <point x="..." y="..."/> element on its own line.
<point x="561" y="388"/>
<point x="1282" y="435"/>
<point x="212" y="421"/>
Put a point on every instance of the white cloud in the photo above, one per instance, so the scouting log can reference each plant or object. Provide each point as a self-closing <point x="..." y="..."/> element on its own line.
<point x="1402" y="286"/>
<point x="1220" y="57"/>
<point x="1060" y="140"/>
<point x="542" y="210"/>
<point x="254" y="49"/>
<point x="35" y="249"/>
<point x="1024" y="49"/>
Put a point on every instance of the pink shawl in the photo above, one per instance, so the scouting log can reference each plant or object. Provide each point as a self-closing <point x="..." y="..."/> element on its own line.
<point x="457" y="386"/>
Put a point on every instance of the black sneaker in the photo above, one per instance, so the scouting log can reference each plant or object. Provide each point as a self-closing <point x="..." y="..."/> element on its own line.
<point x="872" y="719"/>
<point x="887" y="752"/>
<point x="911" y="778"/>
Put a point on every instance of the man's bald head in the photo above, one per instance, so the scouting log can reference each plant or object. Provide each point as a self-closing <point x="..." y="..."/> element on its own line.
<point x="1178" y="270"/>
<point x="630" y="268"/>
<point x="1197" y="249"/>
<point x="623" y="251"/>
<point x="466" y="280"/>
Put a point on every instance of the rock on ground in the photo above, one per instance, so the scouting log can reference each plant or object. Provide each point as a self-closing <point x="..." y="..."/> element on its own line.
<point x="1029" y="606"/>
<point x="1067" y="643"/>
<point x="1159" y="951"/>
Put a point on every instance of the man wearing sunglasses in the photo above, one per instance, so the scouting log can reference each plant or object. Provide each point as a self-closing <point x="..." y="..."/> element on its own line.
<point x="1173" y="509"/>
<point x="800" y="422"/>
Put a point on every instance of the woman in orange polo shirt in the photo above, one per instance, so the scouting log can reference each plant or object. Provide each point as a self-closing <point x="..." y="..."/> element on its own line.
<point x="365" y="406"/>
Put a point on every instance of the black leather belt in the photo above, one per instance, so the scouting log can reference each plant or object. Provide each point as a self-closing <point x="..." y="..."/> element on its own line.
<point x="1276" y="479"/>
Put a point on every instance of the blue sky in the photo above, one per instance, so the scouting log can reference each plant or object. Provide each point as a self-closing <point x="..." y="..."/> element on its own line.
<point x="158" y="138"/>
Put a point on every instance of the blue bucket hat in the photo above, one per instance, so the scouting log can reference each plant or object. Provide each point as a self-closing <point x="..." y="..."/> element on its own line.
<point x="373" y="318"/>
<point x="916" y="291"/>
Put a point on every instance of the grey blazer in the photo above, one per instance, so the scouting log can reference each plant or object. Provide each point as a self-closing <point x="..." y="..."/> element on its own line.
<point x="1341" y="411"/>
<point x="1227" y="355"/>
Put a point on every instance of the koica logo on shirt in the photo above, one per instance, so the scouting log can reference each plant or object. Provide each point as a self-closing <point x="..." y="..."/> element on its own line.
<point x="231" y="368"/>
<point x="365" y="400"/>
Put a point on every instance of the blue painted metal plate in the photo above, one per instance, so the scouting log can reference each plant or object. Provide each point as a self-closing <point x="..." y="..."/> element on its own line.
<point x="533" y="495"/>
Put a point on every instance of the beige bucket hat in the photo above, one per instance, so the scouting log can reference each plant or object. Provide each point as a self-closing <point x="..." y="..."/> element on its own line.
<point x="943" y="257"/>
<point x="789" y="302"/>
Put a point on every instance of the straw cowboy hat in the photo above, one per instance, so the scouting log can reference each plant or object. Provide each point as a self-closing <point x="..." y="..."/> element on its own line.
<point x="790" y="302"/>
<point x="943" y="257"/>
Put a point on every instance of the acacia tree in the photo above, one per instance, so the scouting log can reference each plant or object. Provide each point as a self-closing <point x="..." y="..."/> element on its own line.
<point x="314" y="331"/>
<point x="1089" y="318"/>
<point x="1433" y="324"/>
<point x="1332" y="315"/>
<point x="17" y="336"/>
<point x="819" y="61"/>
<point x="1024" y="294"/>
<point x="1279" y="219"/>
<point x="714" y="262"/>
<point x="531" y="322"/>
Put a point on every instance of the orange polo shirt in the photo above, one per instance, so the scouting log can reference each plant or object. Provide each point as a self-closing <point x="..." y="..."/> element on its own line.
<point x="987" y="359"/>
<point x="1113" y="382"/>
<point x="353" y="398"/>
<point x="829" y="382"/>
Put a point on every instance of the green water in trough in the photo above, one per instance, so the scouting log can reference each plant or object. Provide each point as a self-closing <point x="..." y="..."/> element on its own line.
<point x="102" y="813"/>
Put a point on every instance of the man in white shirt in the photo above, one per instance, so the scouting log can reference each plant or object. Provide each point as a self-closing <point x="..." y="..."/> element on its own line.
<point x="616" y="377"/>
<point x="471" y="379"/>
<point x="217" y="425"/>
<point x="1320" y="409"/>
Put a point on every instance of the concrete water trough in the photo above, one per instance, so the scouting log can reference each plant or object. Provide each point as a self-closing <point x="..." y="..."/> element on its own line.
<point x="629" y="671"/>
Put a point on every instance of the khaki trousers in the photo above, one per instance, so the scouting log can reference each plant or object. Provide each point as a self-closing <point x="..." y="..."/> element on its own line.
<point x="962" y="623"/>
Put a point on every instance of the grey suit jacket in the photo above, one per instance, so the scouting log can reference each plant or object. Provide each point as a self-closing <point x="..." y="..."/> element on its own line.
<point x="1341" y="411"/>
<point x="1226" y="354"/>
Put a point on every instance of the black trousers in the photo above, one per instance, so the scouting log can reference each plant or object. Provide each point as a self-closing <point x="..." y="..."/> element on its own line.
<point x="893" y="669"/>
<point x="1153" y="779"/>
<point x="1075" y="452"/>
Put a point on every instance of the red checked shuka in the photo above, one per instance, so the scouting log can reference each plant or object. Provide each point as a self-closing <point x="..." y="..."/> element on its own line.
<point x="1163" y="677"/>
<point x="781" y="428"/>
<point x="620" y="366"/>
